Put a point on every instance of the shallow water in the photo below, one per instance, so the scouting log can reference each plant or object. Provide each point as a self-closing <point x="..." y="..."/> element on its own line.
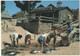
<point x="22" y="48"/>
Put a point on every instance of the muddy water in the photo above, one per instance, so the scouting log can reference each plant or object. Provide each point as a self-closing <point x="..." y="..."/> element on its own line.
<point x="22" y="49"/>
<point x="34" y="46"/>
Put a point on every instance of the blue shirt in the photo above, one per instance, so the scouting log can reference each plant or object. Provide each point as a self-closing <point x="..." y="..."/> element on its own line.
<point x="71" y="28"/>
<point x="40" y="38"/>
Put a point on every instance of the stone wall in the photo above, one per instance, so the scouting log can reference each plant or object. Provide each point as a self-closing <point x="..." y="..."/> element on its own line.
<point x="36" y="27"/>
<point x="31" y="27"/>
<point x="44" y="27"/>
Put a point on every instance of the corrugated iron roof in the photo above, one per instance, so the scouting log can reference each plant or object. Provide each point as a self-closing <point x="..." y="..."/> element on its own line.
<point x="40" y="6"/>
<point x="51" y="5"/>
<point x="50" y="8"/>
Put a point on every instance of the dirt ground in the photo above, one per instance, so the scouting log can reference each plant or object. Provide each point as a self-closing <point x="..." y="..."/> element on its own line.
<point x="73" y="49"/>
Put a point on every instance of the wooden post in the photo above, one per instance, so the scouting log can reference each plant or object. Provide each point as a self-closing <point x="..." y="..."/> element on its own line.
<point x="53" y="21"/>
<point x="34" y="36"/>
<point x="4" y="24"/>
<point x="28" y="6"/>
<point x="39" y="19"/>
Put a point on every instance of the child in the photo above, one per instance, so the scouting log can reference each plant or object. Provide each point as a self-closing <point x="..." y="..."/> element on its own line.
<point x="28" y="40"/>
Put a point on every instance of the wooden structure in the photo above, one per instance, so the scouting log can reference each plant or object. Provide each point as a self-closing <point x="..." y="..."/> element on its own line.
<point x="76" y="14"/>
<point x="43" y="18"/>
<point x="58" y="14"/>
<point x="38" y="25"/>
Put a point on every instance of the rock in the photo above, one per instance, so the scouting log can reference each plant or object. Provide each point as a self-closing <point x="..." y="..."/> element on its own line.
<point x="63" y="34"/>
<point x="74" y="35"/>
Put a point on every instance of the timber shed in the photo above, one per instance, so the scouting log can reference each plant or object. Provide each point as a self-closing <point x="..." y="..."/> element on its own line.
<point x="38" y="25"/>
<point x="58" y="14"/>
<point x="44" y="18"/>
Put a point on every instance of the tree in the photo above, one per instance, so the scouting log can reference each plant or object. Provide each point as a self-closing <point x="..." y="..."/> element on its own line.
<point x="26" y="5"/>
<point x="18" y="15"/>
<point x="2" y="6"/>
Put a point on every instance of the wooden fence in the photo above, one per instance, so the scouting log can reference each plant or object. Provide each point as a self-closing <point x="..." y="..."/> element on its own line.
<point x="5" y="26"/>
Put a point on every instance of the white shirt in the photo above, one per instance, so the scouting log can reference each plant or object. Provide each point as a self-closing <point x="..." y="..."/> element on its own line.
<point x="14" y="35"/>
<point x="27" y="33"/>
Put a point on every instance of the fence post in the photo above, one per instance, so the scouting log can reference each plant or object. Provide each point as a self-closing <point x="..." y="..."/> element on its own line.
<point x="7" y="28"/>
<point x="4" y="24"/>
<point x="34" y="36"/>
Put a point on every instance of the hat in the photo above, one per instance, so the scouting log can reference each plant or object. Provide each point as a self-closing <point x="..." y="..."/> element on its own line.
<point x="27" y="33"/>
<point x="45" y="35"/>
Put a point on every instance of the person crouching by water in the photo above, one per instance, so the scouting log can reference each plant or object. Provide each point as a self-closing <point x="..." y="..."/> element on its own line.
<point x="44" y="40"/>
<point x="56" y="33"/>
<point x="14" y="37"/>
<point x="28" y="39"/>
